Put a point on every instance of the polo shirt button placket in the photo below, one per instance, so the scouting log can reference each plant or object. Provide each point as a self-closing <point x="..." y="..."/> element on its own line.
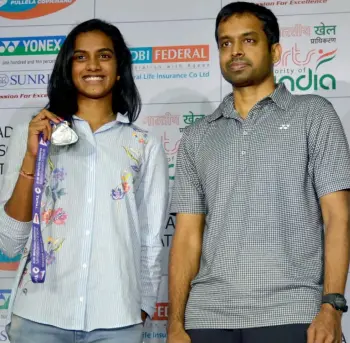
<point x="244" y="148"/>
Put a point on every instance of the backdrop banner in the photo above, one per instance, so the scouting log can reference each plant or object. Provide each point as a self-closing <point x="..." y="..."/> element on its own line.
<point x="176" y="69"/>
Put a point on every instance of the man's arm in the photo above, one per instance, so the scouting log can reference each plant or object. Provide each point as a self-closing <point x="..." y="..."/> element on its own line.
<point x="329" y="165"/>
<point x="183" y="265"/>
<point x="188" y="202"/>
<point x="336" y="217"/>
<point x="335" y="211"/>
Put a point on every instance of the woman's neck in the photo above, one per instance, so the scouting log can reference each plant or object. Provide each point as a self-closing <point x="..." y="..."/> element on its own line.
<point x="96" y="112"/>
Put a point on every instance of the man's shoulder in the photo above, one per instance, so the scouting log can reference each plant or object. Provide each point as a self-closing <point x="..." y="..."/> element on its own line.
<point x="313" y="108"/>
<point x="200" y="126"/>
<point x="311" y="101"/>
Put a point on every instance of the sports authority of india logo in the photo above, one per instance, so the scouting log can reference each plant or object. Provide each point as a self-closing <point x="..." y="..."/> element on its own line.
<point x="310" y="79"/>
<point x="29" y="9"/>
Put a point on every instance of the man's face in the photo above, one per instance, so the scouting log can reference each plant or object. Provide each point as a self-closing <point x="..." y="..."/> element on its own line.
<point x="245" y="56"/>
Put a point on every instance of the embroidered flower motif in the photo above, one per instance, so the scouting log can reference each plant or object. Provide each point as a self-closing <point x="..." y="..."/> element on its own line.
<point x="49" y="240"/>
<point x="141" y="135"/>
<point x="54" y="190"/>
<point x="46" y="216"/>
<point x="126" y="187"/>
<point x="119" y="192"/>
<point x="58" y="216"/>
<point x="58" y="174"/>
<point x="134" y="156"/>
<point x="50" y="257"/>
<point x="53" y="246"/>
<point x="136" y="168"/>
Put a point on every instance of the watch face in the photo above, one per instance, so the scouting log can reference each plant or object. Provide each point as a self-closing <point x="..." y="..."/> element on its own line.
<point x="340" y="302"/>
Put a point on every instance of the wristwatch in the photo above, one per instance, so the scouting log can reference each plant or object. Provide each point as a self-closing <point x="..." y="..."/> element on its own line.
<point x="336" y="300"/>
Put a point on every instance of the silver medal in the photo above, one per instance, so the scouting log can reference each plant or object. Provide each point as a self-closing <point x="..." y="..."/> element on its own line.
<point x="62" y="134"/>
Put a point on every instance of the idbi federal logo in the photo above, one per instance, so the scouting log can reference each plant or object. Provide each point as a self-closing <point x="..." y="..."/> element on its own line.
<point x="29" y="9"/>
<point x="171" y="62"/>
<point x="39" y="45"/>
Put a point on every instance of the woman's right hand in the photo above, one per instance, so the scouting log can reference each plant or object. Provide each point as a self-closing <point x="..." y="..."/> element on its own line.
<point x="39" y="124"/>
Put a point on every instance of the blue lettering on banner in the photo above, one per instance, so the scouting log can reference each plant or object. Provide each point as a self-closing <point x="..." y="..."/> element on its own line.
<point x="164" y="76"/>
<point x="3" y="336"/>
<point x="141" y="55"/>
<point x="37" y="79"/>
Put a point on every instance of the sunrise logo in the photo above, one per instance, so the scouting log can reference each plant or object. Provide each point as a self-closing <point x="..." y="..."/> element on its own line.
<point x="29" y="9"/>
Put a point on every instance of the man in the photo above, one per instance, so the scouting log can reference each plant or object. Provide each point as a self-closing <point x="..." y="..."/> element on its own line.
<point x="256" y="183"/>
<point x="104" y="202"/>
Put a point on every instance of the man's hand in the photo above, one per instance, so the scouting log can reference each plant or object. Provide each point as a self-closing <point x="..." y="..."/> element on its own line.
<point x="326" y="327"/>
<point x="177" y="334"/>
<point x="179" y="337"/>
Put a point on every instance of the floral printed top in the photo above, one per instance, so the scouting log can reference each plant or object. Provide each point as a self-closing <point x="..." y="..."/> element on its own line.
<point x="103" y="211"/>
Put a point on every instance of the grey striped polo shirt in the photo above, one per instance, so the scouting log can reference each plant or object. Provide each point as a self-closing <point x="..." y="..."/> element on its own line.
<point x="259" y="181"/>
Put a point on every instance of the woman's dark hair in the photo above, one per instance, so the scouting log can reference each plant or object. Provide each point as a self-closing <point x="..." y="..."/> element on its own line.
<point x="269" y="20"/>
<point x="61" y="91"/>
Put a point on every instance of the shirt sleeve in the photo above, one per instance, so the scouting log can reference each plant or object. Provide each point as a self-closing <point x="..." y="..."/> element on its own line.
<point x="152" y="199"/>
<point x="13" y="234"/>
<point x="188" y="195"/>
<point x="329" y="156"/>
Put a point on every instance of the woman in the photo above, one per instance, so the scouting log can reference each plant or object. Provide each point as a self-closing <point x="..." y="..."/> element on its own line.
<point x="103" y="205"/>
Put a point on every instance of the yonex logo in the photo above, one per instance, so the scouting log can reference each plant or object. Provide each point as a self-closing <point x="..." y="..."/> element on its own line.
<point x="39" y="45"/>
<point x="284" y="127"/>
<point x="9" y="46"/>
<point x="5" y="295"/>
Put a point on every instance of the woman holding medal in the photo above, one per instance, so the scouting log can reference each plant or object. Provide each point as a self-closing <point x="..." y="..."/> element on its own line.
<point x="85" y="197"/>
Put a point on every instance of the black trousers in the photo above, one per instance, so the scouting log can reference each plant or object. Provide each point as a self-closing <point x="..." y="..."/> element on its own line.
<point x="295" y="333"/>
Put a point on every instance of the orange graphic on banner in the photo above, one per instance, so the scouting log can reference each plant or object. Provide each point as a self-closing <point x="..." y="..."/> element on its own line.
<point x="186" y="53"/>
<point x="161" y="312"/>
<point x="9" y="266"/>
<point x="39" y="10"/>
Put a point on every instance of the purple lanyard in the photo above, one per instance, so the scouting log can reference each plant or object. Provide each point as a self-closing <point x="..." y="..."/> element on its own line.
<point x="38" y="256"/>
